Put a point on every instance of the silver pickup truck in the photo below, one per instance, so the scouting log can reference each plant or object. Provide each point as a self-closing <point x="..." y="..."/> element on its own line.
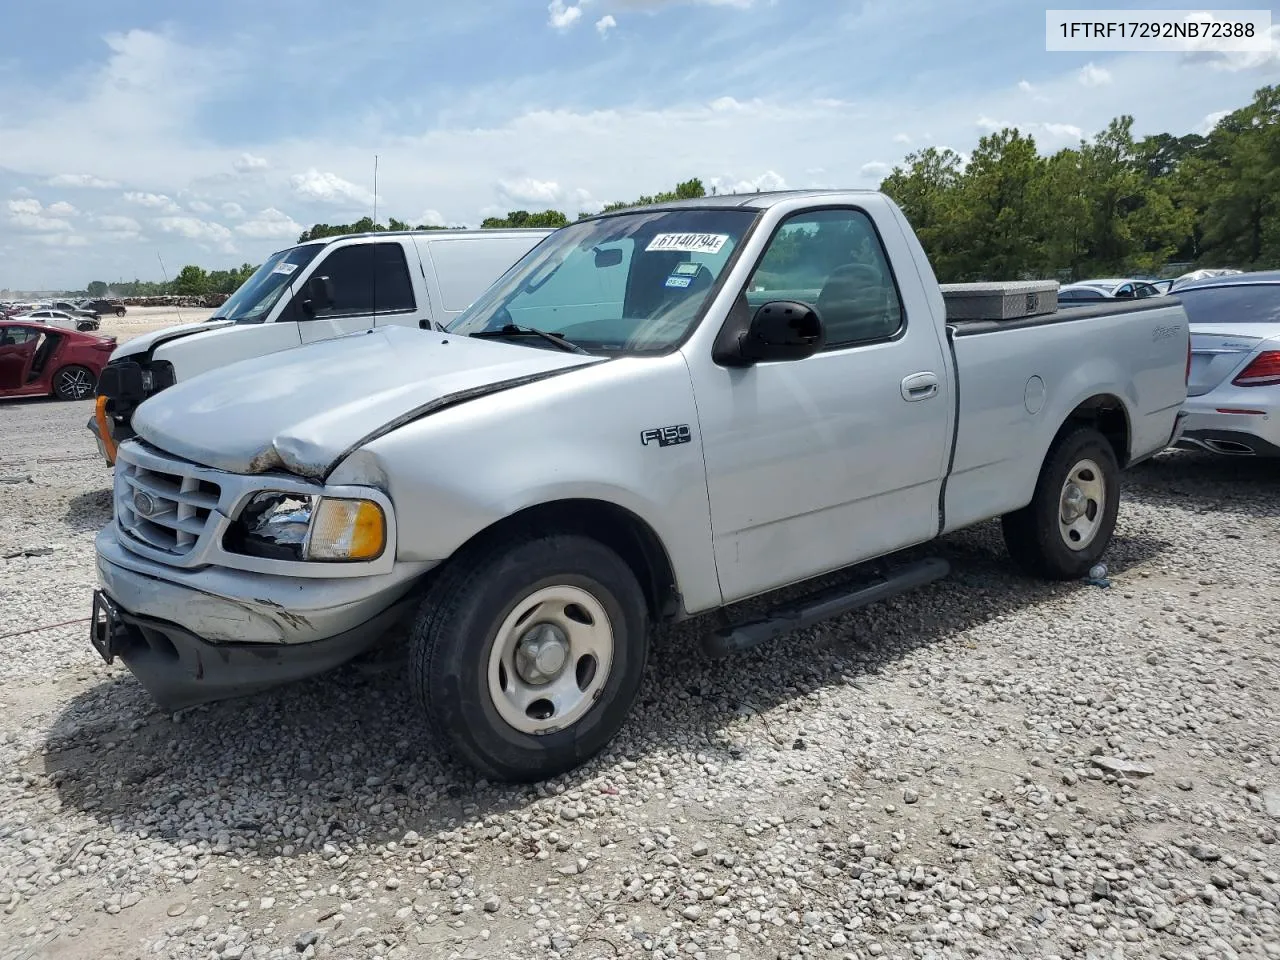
<point x="654" y="414"/>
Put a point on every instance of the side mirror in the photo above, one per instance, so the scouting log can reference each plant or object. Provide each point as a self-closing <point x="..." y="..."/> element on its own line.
<point x="783" y="330"/>
<point x="318" y="295"/>
<point x="608" y="258"/>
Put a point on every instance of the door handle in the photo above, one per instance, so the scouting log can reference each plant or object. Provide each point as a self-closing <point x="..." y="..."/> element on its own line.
<point x="919" y="386"/>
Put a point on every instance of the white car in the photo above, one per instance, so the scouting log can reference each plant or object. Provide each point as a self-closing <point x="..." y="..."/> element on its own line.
<point x="1233" y="393"/>
<point x="60" y="318"/>
<point x="1119" y="289"/>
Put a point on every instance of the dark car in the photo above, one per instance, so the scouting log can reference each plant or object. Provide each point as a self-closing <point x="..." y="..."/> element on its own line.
<point x="37" y="360"/>
<point x="103" y="306"/>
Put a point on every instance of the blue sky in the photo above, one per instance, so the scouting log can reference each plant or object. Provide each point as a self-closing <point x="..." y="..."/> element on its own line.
<point x="213" y="133"/>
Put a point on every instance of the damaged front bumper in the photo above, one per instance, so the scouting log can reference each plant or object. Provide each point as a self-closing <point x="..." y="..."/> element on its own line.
<point x="196" y="636"/>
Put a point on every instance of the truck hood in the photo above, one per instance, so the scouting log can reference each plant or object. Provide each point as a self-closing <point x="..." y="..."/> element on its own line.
<point x="144" y="343"/>
<point x="304" y="410"/>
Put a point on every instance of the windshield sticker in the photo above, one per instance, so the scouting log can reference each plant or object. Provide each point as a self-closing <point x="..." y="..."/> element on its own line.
<point x="285" y="268"/>
<point x="687" y="269"/>
<point x="674" y="281"/>
<point x="687" y="242"/>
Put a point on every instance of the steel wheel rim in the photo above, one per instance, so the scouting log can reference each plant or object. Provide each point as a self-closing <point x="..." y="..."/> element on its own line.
<point x="530" y="696"/>
<point x="1081" y="505"/>
<point x="75" y="383"/>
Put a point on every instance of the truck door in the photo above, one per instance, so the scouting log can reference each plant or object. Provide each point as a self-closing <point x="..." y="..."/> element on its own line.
<point x="819" y="463"/>
<point x="370" y="283"/>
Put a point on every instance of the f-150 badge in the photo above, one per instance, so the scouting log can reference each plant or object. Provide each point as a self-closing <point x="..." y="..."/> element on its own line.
<point x="666" y="436"/>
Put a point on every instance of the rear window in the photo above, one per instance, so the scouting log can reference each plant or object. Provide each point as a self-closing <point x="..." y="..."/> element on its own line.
<point x="1237" y="303"/>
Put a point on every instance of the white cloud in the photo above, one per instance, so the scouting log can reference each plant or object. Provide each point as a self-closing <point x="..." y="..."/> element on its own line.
<point x="1067" y="130"/>
<point x="1026" y="87"/>
<point x="765" y="182"/>
<point x="903" y="138"/>
<point x="61" y="240"/>
<point x="60" y="208"/>
<point x="152" y="201"/>
<point x="232" y="210"/>
<point x="1092" y="75"/>
<point x="270" y="224"/>
<point x="530" y="191"/>
<point x="248" y="163"/>
<point x="991" y="126"/>
<point x="199" y="206"/>
<point x="562" y="17"/>
<point x="30" y="216"/>
<point x="81" y="180"/>
<point x="1211" y="120"/>
<point x="329" y="188"/>
<point x="875" y="170"/>
<point x="431" y="218"/>
<point x="117" y="224"/>
<point x="193" y="228"/>
<point x="605" y="24"/>
<point x="1236" y="61"/>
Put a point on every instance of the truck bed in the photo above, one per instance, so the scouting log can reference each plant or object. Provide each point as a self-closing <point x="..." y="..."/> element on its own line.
<point x="1088" y="311"/>
<point x="1014" y="390"/>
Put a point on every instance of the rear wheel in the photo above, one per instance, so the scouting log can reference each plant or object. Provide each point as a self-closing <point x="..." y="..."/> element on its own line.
<point x="527" y="656"/>
<point x="119" y="311"/>
<point x="73" y="383"/>
<point x="1069" y="523"/>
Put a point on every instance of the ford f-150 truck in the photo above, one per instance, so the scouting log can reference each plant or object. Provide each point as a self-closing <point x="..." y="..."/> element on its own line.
<point x="656" y="413"/>
<point x="314" y="291"/>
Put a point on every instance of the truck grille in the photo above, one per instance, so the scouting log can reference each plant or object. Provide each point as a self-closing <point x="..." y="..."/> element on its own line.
<point x="162" y="503"/>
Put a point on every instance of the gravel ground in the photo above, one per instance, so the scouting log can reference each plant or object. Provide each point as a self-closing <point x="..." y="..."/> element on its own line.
<point x="989" y="767"/>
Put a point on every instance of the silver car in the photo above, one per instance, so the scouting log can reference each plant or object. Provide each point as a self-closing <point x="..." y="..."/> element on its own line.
<point x="1233" y="395"/>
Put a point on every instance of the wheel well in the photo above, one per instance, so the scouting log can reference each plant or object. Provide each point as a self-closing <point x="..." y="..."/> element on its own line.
<point x="1106" y="414"/>
<point x="615" y="527"/>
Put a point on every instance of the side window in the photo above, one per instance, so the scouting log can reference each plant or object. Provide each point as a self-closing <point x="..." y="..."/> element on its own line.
<point x="367" y="278"/>
<point x="833" y="260"/>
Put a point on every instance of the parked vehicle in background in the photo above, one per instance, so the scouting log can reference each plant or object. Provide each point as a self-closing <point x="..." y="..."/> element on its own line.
<point x="74" y="309"/>
<point x="60" y="318"/>
<point x="1076" y="293"/>
<point x="1233" y="402"/>
<point x="37" y="360"/>
<point x="1124" y="289"/>
<point x="102" y="306"/>
<point x="658" y="412"/>
<point x="1206" y="274"/>
<point x="314" y="291"/>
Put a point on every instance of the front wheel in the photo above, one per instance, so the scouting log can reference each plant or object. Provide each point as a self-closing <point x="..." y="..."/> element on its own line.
<point x="1069" y="523"/>
<point x="73" y="383"/>
<point x="528" y="656"/>
<point x="119" y="311"/>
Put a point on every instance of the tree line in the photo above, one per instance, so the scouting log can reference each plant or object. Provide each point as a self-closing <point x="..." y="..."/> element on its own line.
<point x="1111" y="205"/>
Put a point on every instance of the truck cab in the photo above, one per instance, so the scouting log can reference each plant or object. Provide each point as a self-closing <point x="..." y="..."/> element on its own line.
<point x="307" y="293"/>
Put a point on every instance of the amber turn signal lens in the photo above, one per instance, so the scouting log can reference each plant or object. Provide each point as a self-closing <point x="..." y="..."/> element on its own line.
<point x="347" y="530"/>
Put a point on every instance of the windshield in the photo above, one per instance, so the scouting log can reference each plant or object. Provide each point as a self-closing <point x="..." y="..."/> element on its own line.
<point x="256" y="296"/>
<point x="632" y="283"/>
<point x="1234" y="303"/>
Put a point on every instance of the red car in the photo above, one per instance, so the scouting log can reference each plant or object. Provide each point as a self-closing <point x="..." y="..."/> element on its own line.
<point x="37" y="360"/>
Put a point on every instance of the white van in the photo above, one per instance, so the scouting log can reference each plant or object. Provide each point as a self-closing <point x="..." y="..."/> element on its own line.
<point x="314" y="291"/>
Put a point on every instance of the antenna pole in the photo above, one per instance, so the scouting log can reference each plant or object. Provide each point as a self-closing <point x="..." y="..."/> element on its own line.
<point x="375" y="191"/>
<point x="165" y="273"/>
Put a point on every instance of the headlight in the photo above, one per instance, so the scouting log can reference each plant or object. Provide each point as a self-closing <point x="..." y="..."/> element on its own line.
<point x="283" y="526"/>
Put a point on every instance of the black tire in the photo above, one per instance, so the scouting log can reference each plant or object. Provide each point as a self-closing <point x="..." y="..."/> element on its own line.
<point x="1033" y="535"/>
<point x="119" y="311"/>
<point x="455" y="630"/>
<point x="74" y="383"/>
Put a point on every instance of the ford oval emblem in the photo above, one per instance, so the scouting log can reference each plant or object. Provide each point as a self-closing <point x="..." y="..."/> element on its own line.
<point x="144" y="505"/>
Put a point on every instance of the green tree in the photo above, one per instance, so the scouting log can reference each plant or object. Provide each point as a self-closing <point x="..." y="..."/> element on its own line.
<point x="97" y="288"/>
<point x="192" y="281"/>
<point x="523" y="218"/>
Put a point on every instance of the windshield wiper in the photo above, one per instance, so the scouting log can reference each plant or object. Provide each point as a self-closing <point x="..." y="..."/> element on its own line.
<point x="512" y="329"/>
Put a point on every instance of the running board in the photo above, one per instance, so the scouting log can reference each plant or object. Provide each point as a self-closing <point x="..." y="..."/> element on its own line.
<point x="834" y="602"/>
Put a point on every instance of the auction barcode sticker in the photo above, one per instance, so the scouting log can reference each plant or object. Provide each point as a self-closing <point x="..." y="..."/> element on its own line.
<point x="688" y="242"/>
<point x="1158" y="31"/>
